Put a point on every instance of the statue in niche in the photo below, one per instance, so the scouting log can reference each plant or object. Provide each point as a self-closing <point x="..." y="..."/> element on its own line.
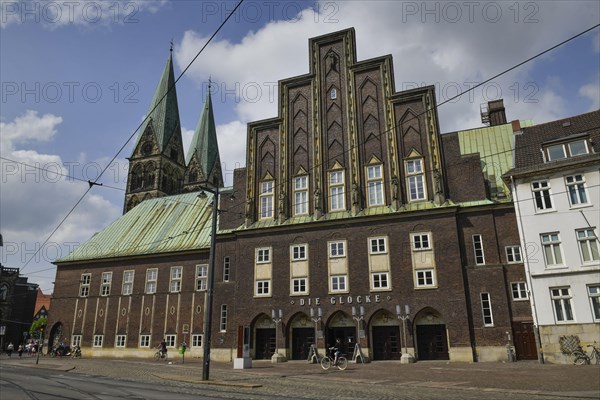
<point x="354" y="194"/>
<point x="395" y="191"/>
<point x="317" y="199"/>
<point x="437" y="181"/>
<point x="333" y="62"/>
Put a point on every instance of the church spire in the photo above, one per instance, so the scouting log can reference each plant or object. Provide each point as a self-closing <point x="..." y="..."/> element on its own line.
<point x="204" y="149"/>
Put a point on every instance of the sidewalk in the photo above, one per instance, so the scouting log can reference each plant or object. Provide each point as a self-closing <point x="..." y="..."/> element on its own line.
<point x="525" y="377"/>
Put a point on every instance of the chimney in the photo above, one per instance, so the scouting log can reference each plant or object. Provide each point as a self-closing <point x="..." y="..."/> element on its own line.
<point x="497" y="113"/>
<point x="516" y="126"/>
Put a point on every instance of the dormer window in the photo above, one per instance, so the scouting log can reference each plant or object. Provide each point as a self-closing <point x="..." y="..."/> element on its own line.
<point x="560" y="151"/>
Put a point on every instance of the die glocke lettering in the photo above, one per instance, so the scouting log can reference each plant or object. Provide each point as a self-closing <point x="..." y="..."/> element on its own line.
<point x="345" y="299"/>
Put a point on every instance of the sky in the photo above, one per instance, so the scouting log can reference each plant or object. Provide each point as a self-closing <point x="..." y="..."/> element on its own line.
<point x="77" y="77"/>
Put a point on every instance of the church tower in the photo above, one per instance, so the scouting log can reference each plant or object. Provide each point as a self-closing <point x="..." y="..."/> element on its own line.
<point x="157" y="165"/>
<point x="203" y="160"/>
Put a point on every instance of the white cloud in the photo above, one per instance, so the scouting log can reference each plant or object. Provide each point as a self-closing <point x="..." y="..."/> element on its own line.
<point x="591" y="91"/>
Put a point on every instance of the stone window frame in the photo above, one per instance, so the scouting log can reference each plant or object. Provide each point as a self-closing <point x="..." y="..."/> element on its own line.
<point x="176" y="279"/>
<point x="151" y="280"/>
<point x="127" y="287"/>
<point x="300" y="194"/>
<point x="84" y="284"/>
<point x="266" y="200"/>
<point x="201" y="277"/>
<point x="424" y="275"/>
<point x="375" y="190"/>
<point x="337" y="190"/>
<point x="415" y="178"/>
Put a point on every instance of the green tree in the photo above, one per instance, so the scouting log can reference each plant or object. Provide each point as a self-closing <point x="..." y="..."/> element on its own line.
<point x="38" y="326"/>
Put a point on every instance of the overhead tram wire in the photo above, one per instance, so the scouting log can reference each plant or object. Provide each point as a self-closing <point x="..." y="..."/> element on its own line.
<point x="93" y="183"/>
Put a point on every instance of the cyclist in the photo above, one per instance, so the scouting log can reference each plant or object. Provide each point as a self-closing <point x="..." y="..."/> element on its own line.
<point x="335" y="350"/>
<point x="163" y="347"/>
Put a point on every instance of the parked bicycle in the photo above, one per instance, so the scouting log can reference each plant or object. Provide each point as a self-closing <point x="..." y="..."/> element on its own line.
<point x="161" y="355"/>
<point x="580" y="357"/>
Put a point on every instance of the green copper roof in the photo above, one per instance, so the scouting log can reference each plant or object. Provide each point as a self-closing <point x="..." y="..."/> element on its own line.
<point x="495" y="145"/>
<point x="165" y="117"/>
<point x="204" y="143"/>
<point x="166" y="224"/>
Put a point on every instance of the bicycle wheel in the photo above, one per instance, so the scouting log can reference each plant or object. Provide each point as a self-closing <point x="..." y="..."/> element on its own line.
<point x="165" y="356"/>
<point x="580" y="358"/>
<point x="342" y="363"/>
<point x="157" y="355"/>
<point x="326" y="362"/>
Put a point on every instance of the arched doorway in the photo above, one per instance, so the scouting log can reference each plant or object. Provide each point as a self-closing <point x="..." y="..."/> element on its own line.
<point x="385" y="336"/>
<point x="341" y="326"/>
<point x="56" y="336"/>
<point x="432" y="340"/>
<point x="302" y="332"/>
<point x="264" y="338"/>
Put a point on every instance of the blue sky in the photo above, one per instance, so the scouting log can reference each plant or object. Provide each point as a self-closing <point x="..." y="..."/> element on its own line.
<point x="77" y="78"/>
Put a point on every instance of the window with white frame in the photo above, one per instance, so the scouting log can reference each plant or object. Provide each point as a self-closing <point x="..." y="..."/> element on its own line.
<point x="551" y="246"/>
<point x="415" y="178"/>
<point x="588" y="245"/>
<point x="196" y="340"/>
<point x="513" y="254"/>
<point x="171" y="340"/>
<point x="576" y="189"/>
<point x="486" y="309"/>
<point x="201" y="277"/>
<point x="84" y="285"/>
<point x="478" y="249"/>
<point x="337" y="249"/>
<point x="594" y="293"/>
<point x="263" y="287"/>
<point x="263" y="255"/>
<point x="377" y="245"/>
<point x="127" y="282"/>
<point x="266" y="200"/>
<point x="120" y="340"/>
<point x="76" y="340"/>
<point x="425" y="278"/>
<point x="151" y="278"/>
<point x="144" y="340"/>
<point x="561" y="300"/>
<point x="298" y="252"/>
<point x="375" y="185"/>
<point x="301" y="195"/>
<point x="420" y="241"/>
<point x="98" y="339"/>
<point x="380" y="280"/>
<point x="299" y="285"/>
<point x="223" y="318"/>
<point x="338" y="283"/>
<point x="105" y="285"/>
<point x="541" y="195"/>
<point x="226" y="268"/>
<point x="176" y="275"/>
<point x="337" y="195"/>
<point x="561" y="151"/>
<point x="519" y="291"/>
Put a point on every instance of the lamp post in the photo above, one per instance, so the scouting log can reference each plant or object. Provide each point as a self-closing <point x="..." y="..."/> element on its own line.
<point x="208" y="298"/>
<point x="406" y="358"/>
<point x="276" y="356"/>
<point x="358" y="317"/>
<point x="316" y="320"/>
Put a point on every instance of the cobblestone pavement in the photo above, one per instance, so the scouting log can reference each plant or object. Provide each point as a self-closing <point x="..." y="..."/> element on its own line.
<point x="378" y="380"/>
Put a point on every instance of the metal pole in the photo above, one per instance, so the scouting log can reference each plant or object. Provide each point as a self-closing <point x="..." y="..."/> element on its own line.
<point x="404" y="334"/>
<point x="209" y="286"/>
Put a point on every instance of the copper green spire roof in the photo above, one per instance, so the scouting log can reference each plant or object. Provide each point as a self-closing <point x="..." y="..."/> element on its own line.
<point x="165" y="117"/>
<point x="204" y="144"/>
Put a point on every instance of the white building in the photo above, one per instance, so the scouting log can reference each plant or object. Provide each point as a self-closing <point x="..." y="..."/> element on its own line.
<point x="556" y="191"/>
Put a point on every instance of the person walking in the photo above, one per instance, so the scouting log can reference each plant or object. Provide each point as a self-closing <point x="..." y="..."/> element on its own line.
<point x="10" y="348"/>
<point x="20" y="350"/>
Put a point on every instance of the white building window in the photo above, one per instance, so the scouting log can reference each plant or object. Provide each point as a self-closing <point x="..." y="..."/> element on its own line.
<point x="566" y="150"/>
<point x="588" y="245"/>
<point x="171" y="340"/>
<point x="196" y="340"/>
<point x="541" y="195"/>
<point x="201" y="277"/>
<point x="420" y="241"/>
<point x="380" y="280"/>
<point x="151" y="277"/>
<point x="415" y="178"/>
<point x="377" y="245"/>
<point x="551" y="246"/>
<point x="478" y="248"/>
<point x="263" y="255"/>
<point x="266" y="200"/>
<point x="223" y="319"/>
<point x="226" y="269"/>
<point x="76" y="340"/>
<point x="127" y="282"/>
<point x="561" y="300"/>
<point x="425" y="278"/>
<point x="375" y="185"/>
<point x="337" y="195"/>
<point x="486" y="309"/>
<point x="513" y="254"/>
<point x="144" y="340"/>
<point x="337" y="249"/>
<point x="299" y="285"/>
<point x="84" y="285"/>
<point x="301" y="195"/>
<point x="98" y="339"/>
<point x="519" y="291"/>
<point x="338" y="283"/>
<point x="594" y="293"/>
<point x="299" y="252"/>
<point x="106" y="282"/>
<point x="576" y="189"/>
<point x="176" y="275"/>
<point x="120" y="340"/>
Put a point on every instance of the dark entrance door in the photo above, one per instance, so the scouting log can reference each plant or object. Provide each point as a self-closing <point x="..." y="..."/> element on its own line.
<point x="265" y="344"/>
<point x="386" y="343"/>
<point x="347" y="336"/>
<point x="302" y="338"/>
<point x="524" y="341"/>
<point x="432" y="342"/>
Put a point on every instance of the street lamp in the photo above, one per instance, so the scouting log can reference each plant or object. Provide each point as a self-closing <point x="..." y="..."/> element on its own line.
<point x="316" y="320"/>
<point x="208" y="297"/>
<point x="406" y="358"/>
<point x="277" y="357"/>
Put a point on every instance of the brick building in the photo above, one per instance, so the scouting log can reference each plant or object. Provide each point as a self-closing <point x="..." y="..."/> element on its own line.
<point x="352" y="211"/>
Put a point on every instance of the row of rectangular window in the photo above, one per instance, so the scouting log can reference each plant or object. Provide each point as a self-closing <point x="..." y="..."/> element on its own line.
<point x="576" y="192"/>
<point x="561" y="302"/>
<point x="587" y="243"/>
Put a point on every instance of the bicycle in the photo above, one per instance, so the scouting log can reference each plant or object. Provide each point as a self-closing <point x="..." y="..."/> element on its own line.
<point x="580" y="357"/>
<point x="161" y="355"/>
<point x="327" y="362"/>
